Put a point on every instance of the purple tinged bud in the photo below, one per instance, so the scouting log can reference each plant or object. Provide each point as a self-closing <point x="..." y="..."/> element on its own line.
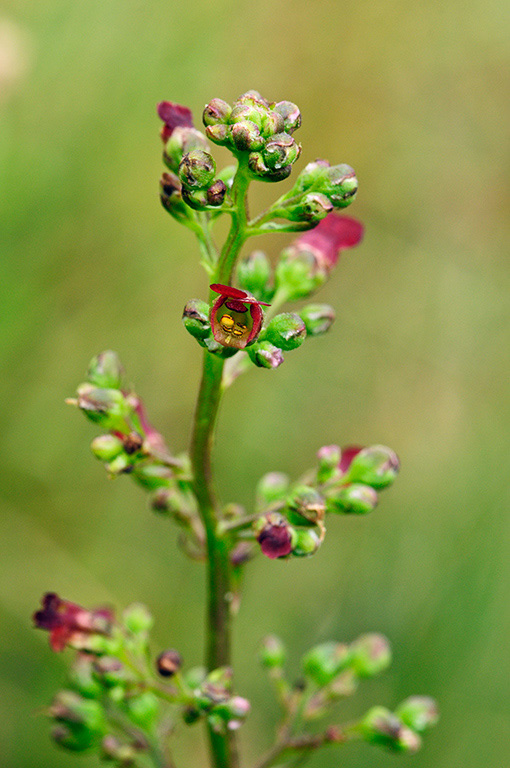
<point x="246" y="136"/>
<point x="196" y="318"/>
<point x="286" y="331"/>
<point x="169" y="662"/>
<point x="318" y="319"/>
<point x="370" y="655"/>
<point x="418" y="712"/>
<point x="218" y="134"/>
<point x="113" y="749"/>
<point x="195" y="198"/>
<point x="325" y="661"/>
<point x="197" y="169"/>
<point x="106" y="447"/>
<point x="307" y="543"/>
<point x="174" y="116"/>
<point x="328" y="456"/>
<point x="170" y="194"/>
<point x="152" y="476"/>
<point x="216" y="193"/>
<point x="281" y="151"/>
<point x="290" y="114"/>
<point x="272" y="123"/>
<point x="110" y="672"/>
<point x="70" y="707"/>
<point x="216" y="112"/>
<point x="307" y="504"/>
<point x="106" y="371"/>
<point x="182" y="141"/>
<point x="275" y="536"/>
<point x="253" y="113"/>
<point x="342" y="185"/>
<point x="352" y="499"/>
<point x="376" y="465"/>
<point x="265" y="355"/>
<point x="263" y="172"/>
<point x="272" y="653"/>
<point x="106" y="407"/>
<point x="252" y="97"/>
<point x="272" y="487"/>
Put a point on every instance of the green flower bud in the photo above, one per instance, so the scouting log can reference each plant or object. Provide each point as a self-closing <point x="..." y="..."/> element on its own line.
<point x="170" y="194"/>
<point x="254" y="113"/>
<point x="342" y="185"/>
<point x="152" y="476"/>
<point x="324" y="662"/>
<point x="280" y="151"/>
<point x="263" y="172"/>
<point x="169" y="662"/>
<point x="380" y="726"/>
<point x="197" y="169"/>
<point x="216" y="112"/>
<point x="265" y="355"/>
<point x="196" y="318"/>
<point x="106" y="371"/>
<point x="329" y="458"/>
<point x="312" y="178"/>
<point x="73" y="737"/>
<point x="305" y="505"/>
<point x="137" y="618"/>
<point x="272" y="653"/>
<point x="216" y="193"/>
<point x="298" y="273"/>
<point x="353" y="499"/>
<point x="111" y="672"/>
<point x="318" y="319"/>
<point x="234" y="711"/>
<point x="182" y="141"/>
<point x="195" y="198"/>
<point x="290" y="114"/>
<point x="286" y="331"/>
<point x="219" y="134"/>
<point x="272" y="487"/>
<point x="82" y="679"/>
<point x="246" y="136"/>
<point x="143" y="709"/>
<point x="370" y="655"/>
<point x="120" y="464"/>
<point x="252" y="97"/>
<point x="106" y="447"/>
<point x="70" y="707"/>
<point x="195" y="676"/>
<point x="307" y="543"/>
<point x="254" y="273"/>
<point x="272" y="124"/>
<point x="106" y="407"/>
<point x="376" y="465"/>
<point x="418" y="712"/>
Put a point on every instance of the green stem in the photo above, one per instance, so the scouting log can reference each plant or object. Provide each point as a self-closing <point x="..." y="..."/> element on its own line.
<point x="218" y="635"/>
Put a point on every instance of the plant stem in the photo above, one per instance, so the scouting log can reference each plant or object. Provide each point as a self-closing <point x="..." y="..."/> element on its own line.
<point x="218" y="634"/>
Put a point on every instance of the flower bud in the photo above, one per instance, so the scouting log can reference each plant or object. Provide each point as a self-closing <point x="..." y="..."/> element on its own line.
<point x="106" y="447"/>
<point x="246" y="136"/>
<point x="272" y="652"/>
<point x="195" y="676"/>
<point x="329" y="457"/>
<point x="219" y="134"/>
<point x="113" y="749"/>
<point x="143" y="709"/>
<point x="370" y="655"/>
<point x="169" y="662"/>
<point x="311" y="178"/>
<point x="272" y="124"/>
<point x="70" y="707"/>
<point x="275" y="536"/>
<point x="306" y="505"/>
<point x="307" y="543"/>
<point x="380" y="726"/>
<point x="265" y="355"/>
<point x="234" y="711"/>
<point x="324" y="662"/>
<point x="254" y="272"/>
<point x="216" y="193"/>
<point x="272" y="487"/>
<point x="110" y="672"/>
<point x="286" y="331"/>
<point x="197" y="169"/>
<point x="217" y="111"/>
<point x="377" y="466"/>
<point x="342" y="185"/>
<point x="106" y="371"/>
<point x="252" y="97"/>
<point x="353" y="499"/>
<point x="418" y="712"/>
<point x="255" y="113"/>
<point x="291" y="115"/>
<point x="72" y="736"/>
<point x="182" y="141"/>
<point x="106" y="407"/>
<point x="120" y="464"/>
<point x="196" y="318"/>
<point x="298" y="273"/>
<point x="170" y="194"/>
<point x="280" y="151"/>
<point x="137" y="618"/>
<point x="81" y="677"/>
<point x="264" y="172"/>
<point x="152" y="476"/>
<point x="318" y="319"/>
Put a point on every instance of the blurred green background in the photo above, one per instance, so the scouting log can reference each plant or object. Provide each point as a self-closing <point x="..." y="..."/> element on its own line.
<point x="415" y="97"/>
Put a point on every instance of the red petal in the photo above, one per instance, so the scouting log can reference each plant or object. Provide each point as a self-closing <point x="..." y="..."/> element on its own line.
<point x="256" y="314"/>
<point x="228" y="290"/>
<point x="175" y="115"/>
<point x="348" y="453"/>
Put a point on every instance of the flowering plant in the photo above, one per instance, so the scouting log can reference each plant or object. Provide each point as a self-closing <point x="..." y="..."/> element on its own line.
<point x="118" y="698"/>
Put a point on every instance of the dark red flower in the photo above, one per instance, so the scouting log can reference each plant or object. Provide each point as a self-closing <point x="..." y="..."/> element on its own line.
<point x="332" y="235"/>
<point x="275" y="536"/>
<point x="70" y="624"/>
<point x="236" y="316"/>
<point x="347" y="455"/>
<point x="173" y="116"/>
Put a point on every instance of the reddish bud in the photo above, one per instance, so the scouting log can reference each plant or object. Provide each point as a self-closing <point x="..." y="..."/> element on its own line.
<point x="70" y="624"/>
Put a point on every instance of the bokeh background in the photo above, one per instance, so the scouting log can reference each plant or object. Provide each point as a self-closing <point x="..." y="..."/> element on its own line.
<point x="415" y="97"/>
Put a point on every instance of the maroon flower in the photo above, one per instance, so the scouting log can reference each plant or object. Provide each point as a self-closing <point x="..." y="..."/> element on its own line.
<point x="173" y="116"/>
<point x="275" y="536"/>
<point x="70" y="624"/>
<point x="332" y="235"/>
<point x="348" y="453"/>
<point x="236" y="316"/>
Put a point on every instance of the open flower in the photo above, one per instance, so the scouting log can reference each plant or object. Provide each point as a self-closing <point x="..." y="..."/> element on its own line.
<point x="174" y="116"/>
<point x="236" y="316"/>
<point x="70" y="624"/>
